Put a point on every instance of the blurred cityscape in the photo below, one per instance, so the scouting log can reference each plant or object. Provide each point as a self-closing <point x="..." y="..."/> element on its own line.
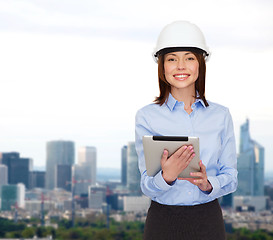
<point x="69" y="190"/>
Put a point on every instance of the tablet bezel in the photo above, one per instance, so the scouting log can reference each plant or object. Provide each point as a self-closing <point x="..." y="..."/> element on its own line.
<point x="154" y="146"/>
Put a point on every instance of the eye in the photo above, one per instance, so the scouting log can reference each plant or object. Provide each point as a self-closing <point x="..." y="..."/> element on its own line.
<point x="170" y="59"/>
<point x="191" y="58"/>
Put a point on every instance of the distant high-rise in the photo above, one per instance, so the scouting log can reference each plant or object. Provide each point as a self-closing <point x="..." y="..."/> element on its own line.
<point x="124" y="165"/>
<point x="3" y="174"/>
<point x="63" y="176"/>
<point x="85" y="172"/>
<point x="97" y="196"/>
<point x="12" y="196"/>
<point x="133" y="174"/>
<point x="250" y="165"/>
<point x="58" y="153"/>
<point x="37" y="179"/>
<point x="18" y="168"/>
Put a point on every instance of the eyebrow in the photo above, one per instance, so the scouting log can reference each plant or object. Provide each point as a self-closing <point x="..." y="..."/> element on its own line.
<point x="173" y="54"/>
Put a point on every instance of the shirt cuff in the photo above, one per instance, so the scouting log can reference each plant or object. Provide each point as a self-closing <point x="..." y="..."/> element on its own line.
<point x="160" y="182"/>
<point x="215" y="186"/>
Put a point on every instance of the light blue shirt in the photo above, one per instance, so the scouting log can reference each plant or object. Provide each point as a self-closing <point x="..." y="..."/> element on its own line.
<point x="214" y="127"/>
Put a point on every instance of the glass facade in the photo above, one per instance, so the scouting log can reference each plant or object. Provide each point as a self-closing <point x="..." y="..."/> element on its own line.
<point x="250" y="165"/>
<point x="133" y="174"/>
<point x="58" y="153"/>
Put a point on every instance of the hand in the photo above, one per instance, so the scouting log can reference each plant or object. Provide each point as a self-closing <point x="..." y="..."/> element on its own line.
<point x="201" y="179"/>
<point x="176" y="163"/>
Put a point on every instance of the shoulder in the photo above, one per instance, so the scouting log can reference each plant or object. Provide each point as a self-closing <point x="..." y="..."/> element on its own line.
<point x="148" y="109"/>
<point x="217" y="107"/>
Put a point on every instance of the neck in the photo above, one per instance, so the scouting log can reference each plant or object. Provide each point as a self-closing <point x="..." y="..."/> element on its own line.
<point x="184" y="95"/>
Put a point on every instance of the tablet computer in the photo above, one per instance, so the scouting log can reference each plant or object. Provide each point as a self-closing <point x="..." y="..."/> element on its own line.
<point x="154" y="146"/>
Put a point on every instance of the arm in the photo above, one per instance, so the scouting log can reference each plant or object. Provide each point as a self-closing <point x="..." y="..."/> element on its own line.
<point x="225" y="181"/>
<point x="150" y="186"/>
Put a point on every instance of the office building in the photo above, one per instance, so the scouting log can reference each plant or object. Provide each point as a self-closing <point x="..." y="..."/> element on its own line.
<point x="3" y="174"/>
<point x="63" y="176"/>
<point x="133" y="174"/>
<point x="37" y="179"/>
<point x="97" y="197"/>
<point x="136" y="203"/>
<point x="12" y="196"/>
<point x="58" y="153"/>
<point x="250" y="203"/>
<point x="18" y="168"/>
<point x="250" y="190"/>
<point x="124" y="165"/>
<point x="250" y="165"/>
<point x="85" y="172"/>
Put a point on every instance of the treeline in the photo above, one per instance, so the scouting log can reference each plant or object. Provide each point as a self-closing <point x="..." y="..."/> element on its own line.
<point x="95" y="228"/>
<point x="245" y="234"/>
<point x="90" y="228"/>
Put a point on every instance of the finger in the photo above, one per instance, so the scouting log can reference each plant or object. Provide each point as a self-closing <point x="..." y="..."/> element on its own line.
<point x="197" y="175"/>
<point x="189" y="157"/>
<point x="187" y="153"/>
<point x="202" y="167"/>
<point x="180" y="151"/>
<point x="198" y="181"/>
<point x="164" y="157"/>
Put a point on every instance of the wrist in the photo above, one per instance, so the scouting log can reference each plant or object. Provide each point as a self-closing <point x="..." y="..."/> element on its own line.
<point x="208" y="187"/>
<point x="168" y="180"/>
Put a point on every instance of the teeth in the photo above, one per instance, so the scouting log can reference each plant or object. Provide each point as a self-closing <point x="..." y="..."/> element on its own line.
<point x="181" y="76"/>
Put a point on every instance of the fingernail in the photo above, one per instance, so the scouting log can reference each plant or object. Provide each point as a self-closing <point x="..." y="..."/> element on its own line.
<point x="193" y="154"/>
<point x="190" y="147"/>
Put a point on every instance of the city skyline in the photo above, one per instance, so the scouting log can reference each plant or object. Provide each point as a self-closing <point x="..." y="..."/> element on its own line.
<point x="80" y="70"/>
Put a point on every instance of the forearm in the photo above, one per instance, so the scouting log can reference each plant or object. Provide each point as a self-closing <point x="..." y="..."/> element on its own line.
<point x="223" y="184"/>
<point x="154" y="186"/>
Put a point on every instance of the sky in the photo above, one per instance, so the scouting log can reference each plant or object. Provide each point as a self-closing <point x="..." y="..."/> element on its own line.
<point x="79" y="70"/>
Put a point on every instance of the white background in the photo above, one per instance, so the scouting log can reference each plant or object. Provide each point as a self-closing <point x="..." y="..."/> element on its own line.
<point x="79" y="70"/>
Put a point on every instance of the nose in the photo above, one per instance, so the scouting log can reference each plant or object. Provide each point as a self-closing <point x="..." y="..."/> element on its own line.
<point x="181" y="64"/>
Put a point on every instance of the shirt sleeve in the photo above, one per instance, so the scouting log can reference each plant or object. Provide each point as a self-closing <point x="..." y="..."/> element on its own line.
<point x="225" y="181"/>
<point x="150" y="186"/>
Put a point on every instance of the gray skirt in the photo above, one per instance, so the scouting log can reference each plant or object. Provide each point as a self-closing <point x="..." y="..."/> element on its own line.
<point x="204" y="222"/>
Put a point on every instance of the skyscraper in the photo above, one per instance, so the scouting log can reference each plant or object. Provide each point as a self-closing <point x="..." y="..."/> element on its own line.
<point x="3" y="174"/>
<point x="85" y="172"/>
<point x="124" y="165"/>
<point x="63" y="176"/>
<point x="58" y="153"/>
<point x="12" y="196"/>
<point x="250" y="165"/>
<point x="133" y="174"/>
<point x="18" y="168"/>
<point x="37" y="179"/>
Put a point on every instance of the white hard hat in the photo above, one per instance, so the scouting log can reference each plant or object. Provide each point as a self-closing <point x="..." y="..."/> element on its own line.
<point x="181" y="35"/>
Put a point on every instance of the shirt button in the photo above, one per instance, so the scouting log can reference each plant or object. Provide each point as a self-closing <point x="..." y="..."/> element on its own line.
<point x="189" y="193"/>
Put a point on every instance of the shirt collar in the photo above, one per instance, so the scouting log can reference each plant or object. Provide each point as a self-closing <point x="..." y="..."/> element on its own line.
<point x="171" y="102"/>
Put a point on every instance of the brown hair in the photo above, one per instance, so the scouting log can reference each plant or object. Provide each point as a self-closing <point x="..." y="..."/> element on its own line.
<point x="165" y="87"/>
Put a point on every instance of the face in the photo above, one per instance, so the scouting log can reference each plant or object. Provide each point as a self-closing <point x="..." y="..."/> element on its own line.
<point x="181" y="70"/>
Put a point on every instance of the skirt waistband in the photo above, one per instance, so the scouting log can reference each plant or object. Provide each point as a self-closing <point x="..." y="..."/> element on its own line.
<point x="207" y="205"/>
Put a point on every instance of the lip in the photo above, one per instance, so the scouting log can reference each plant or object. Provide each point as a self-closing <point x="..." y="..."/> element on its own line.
<point x="181" y="76"/>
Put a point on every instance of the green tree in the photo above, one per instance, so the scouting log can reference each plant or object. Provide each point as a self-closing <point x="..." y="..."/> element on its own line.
<point x="28" y="232"/>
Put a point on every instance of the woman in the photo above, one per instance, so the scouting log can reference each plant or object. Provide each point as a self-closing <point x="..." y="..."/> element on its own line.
<point x="186" y="208"/>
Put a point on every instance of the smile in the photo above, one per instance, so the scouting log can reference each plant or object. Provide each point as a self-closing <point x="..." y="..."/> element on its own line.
<point x="181" y="76"/>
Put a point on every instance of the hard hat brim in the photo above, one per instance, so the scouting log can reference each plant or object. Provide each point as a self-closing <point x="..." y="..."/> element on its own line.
<point x="179" y="49"/>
